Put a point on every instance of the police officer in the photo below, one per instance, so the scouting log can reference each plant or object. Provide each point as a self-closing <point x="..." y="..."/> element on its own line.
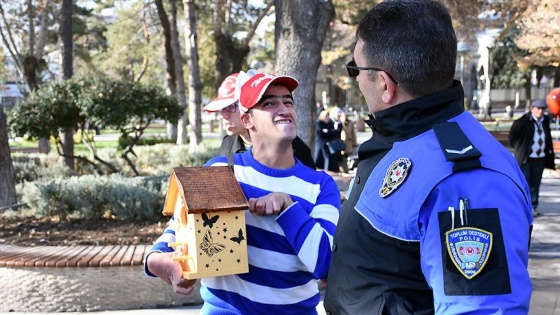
<point x="438" y="217"/>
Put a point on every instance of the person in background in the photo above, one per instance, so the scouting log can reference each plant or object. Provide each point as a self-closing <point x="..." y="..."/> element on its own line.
<point x="349" y="136"/>
<point x="237" y="138"/>
<point x="324" y="131"/>
<point x="292" y="215"/>
<point x="359" y="121"/>
<point x="531" y="140"/>
<point x="438" y="218"/>
<point x="319" y="109"/>
<point x="336" y="156"/>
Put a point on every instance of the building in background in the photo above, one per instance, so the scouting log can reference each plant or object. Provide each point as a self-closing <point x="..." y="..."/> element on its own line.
<point x="10" y="94"/>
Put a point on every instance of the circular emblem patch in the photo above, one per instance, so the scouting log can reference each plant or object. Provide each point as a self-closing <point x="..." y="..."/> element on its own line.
<point x="395" y="176"/>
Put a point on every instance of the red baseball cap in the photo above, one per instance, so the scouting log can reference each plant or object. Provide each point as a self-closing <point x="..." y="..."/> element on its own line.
<point x="253" y="90"/>
<point x="226" y="94"/>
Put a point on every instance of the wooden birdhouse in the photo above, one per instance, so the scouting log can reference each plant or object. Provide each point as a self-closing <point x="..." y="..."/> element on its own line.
<point x="209" y="210"/>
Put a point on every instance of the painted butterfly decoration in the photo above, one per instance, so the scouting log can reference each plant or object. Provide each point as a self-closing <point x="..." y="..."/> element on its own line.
<point x="208" y="245"/>
<point x="209" y="221"/>
<point x="238" y="238"/>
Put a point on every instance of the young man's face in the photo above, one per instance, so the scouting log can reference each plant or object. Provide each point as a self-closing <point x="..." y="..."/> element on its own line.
<point x="274" y="117"/>
<point x="230" y="120"/>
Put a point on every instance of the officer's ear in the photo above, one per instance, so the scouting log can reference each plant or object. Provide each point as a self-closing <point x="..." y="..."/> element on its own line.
<point x="389" y="88"/>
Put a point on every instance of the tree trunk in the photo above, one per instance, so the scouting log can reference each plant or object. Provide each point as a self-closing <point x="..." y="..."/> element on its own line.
<point x="180" y="76"/>
<point x="33" y="62"/>
<point x="169" y="60"/>
<point x="231" y="52"/>
<point x="300" y="31"/>
<point x="7" y="185"/>
<point x="30" y="65"/>
<point x="195" y="85"/>
<point x="223" y="46"/>
<point x="65" y="33"/>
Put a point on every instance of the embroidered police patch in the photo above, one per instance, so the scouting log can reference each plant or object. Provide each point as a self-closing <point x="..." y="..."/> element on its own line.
<point x="395" y="176"/>
<point x="469" y="249"/>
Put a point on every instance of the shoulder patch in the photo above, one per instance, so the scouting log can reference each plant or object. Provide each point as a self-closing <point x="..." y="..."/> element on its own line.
<point x="394" y="177"/>
<point x="469" y="249"/>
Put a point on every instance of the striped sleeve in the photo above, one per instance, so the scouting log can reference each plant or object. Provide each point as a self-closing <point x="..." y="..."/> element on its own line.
<point x="311" y="234"/>
<point x="161" y="244"/>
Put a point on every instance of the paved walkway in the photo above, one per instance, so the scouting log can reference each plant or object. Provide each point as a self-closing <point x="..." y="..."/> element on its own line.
<point x="544" y="259"/>
<point x="544" y="255"/>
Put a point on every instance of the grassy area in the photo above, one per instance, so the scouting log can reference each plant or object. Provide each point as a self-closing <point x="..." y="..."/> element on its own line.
<point x="152" y="131"/>
<point x="80" y="148"/>
<point x="22" y="143"/>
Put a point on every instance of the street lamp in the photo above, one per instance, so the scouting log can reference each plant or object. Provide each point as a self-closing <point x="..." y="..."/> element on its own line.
<point x="462" y="49"/>
<point x="486" y="41"/>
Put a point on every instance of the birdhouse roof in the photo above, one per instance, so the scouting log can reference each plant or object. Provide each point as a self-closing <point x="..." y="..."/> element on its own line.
<point x="206" y="189"/>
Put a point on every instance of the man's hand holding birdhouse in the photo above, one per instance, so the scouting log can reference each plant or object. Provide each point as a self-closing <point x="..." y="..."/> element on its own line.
<point x="164" y="267"/>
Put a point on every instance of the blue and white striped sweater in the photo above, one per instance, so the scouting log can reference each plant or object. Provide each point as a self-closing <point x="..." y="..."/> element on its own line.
<point x="287" y="252"/>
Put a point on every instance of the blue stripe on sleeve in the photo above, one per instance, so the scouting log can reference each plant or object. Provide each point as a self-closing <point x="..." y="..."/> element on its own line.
<point x="267" y="240"/>
<point x="246" y="306"/>
<point x="275" y="279"/>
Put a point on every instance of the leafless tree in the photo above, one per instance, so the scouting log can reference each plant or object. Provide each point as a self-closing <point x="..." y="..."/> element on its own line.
<point x="7" y="185"/>
<point x="65" y="34"/>
<point x="195" y="85"/>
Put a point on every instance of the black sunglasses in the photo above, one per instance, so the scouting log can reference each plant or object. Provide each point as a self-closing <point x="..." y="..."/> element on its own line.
<point x="354" y="71"/>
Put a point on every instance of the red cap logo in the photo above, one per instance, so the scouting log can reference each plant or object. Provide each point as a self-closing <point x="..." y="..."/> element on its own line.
<point x="253" y="90"/>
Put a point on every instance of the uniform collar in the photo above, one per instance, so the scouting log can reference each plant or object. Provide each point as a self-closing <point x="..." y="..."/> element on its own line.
<point x="416" y="116"/>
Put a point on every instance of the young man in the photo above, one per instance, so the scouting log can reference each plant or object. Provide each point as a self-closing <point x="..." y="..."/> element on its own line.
<point x="531" y="140"/>
<point x="292" y="215"/>
<point x="237" y="137"/>
<point x="438" y="219"/>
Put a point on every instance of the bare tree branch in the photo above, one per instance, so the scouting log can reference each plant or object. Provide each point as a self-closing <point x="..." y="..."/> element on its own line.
<point x="253" y="29"/>
<point x="146" y="34"/>
<point x="9" y="40"/>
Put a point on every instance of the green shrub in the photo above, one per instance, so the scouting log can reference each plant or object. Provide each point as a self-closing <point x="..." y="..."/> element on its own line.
<point x="30" y="167"/>
<point x="144" y="141"/>
<point x="159" y="159"/>
<point x="95" y="197"/>
<point x="50" y="189"/>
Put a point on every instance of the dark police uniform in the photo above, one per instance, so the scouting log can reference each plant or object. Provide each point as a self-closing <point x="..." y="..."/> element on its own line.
<point x="403" y="246"/>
